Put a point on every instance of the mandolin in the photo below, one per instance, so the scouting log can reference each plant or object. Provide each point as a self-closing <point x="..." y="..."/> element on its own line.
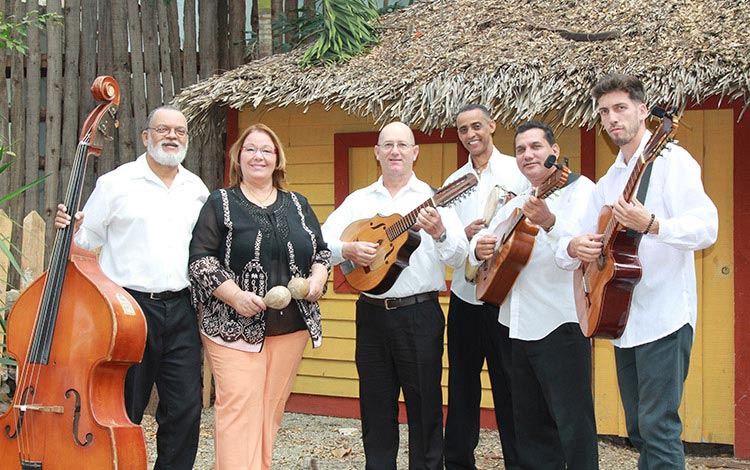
<point x="396" y="242"/>
<point x="604" y="288"/>
<point x="516" y="237"/>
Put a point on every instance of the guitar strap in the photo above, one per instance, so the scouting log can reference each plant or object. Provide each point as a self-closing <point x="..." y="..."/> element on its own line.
<point x="571" y="179"/>
<point x="642" y="191"/>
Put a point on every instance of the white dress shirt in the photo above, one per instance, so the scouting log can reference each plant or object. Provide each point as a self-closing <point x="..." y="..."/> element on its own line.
<point x="502" y="171"/>
<point x="665" y="298"/>
<point x="143" y="227"/>
<point x="542" y="297"/>
<point x="425" y="272"/>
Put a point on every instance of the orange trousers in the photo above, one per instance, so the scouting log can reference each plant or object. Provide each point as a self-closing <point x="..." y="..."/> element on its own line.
<point x="251" y="392"/>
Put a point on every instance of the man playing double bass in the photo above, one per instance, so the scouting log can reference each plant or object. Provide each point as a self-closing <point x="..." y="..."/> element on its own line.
<point x="142" y="215"/>
<point x="677" y="219"/>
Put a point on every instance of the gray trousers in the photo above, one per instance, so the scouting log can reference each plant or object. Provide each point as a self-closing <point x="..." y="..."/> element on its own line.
<point x="651" y="379"/>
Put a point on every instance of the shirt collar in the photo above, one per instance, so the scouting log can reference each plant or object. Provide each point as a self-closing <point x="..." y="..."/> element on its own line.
<point x="414" y="184"/>
<point x="620" y="160"/>
<point x="142" y="170"/>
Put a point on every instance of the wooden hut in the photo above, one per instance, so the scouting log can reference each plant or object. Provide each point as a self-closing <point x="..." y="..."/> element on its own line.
<point x="523" y="59"/>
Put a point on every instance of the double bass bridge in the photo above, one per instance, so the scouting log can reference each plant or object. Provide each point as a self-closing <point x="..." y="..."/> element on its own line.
<point x="23" y="407"/>
<point x="28" y="465"/>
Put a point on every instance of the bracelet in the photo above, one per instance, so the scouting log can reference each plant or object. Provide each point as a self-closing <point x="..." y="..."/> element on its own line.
<point x="650" y="224"/>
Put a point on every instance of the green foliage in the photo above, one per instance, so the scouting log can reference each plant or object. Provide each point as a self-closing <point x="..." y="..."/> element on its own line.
<point x="349" y="27"/>
<point x="9" y="26"/>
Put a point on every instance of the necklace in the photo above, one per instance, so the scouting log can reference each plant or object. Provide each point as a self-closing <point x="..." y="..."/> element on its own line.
<point x="261" y="202"/>
<point x="480" y="169"/>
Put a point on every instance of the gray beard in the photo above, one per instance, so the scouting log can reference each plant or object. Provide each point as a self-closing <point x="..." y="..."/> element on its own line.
<point x="164" y="158"/>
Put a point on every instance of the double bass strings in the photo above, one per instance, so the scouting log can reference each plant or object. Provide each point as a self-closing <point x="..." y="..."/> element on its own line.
<point x="37" y="353"/>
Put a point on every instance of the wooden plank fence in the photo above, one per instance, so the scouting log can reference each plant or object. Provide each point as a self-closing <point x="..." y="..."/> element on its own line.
<point x="149" y="46"/>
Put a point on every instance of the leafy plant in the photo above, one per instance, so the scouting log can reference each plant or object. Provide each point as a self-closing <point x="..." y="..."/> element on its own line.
<point x="349" y="28"/>
<point x="9" y="26"/>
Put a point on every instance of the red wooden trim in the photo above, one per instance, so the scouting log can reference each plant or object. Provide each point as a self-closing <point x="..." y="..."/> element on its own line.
<point x="349" y="408"/>
<point x="741" y="287"/>
<point x="343" y="142"/>
<point x="588" y="153"/>
<point x="233" y="132"/>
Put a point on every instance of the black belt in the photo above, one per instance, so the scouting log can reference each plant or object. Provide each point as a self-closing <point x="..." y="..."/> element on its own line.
<point x="392" y="303"/>
<point x="166" y="295"/>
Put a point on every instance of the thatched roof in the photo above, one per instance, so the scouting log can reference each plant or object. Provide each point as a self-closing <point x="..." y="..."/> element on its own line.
<point x="521" y="58"/>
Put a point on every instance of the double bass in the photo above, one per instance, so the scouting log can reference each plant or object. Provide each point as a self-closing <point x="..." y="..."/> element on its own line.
<point x="74" y="333"/>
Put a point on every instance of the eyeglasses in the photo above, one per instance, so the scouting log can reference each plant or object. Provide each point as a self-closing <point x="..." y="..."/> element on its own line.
<point x="265" y="151"/>
<point x="165" y="130"/>
<point x="402" y="146"/>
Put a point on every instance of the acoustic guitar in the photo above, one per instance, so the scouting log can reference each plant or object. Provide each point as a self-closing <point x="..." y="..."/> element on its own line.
<point x="396" y="242"/>
<point x="604" y="288"/>
<point x="516" y="237"/>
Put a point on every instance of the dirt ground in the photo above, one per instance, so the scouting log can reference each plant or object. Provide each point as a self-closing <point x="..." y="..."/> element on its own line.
<point x="311" y="442"/>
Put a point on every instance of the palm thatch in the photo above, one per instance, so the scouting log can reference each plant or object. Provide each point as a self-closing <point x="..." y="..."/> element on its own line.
<point x="521" y="58"/>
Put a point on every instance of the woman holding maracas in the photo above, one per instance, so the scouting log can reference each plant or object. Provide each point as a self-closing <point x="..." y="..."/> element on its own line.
<point x="249" y="238"/>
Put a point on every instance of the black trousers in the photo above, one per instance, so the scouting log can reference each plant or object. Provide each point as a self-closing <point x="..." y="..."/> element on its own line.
<point x="474" y="334"/>
<point x="401" y="350"/>
<point x="552" y="402"/>
<point x="172" y="360"/>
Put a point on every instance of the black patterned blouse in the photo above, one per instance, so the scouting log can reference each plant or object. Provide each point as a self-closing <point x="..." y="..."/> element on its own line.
<point x="258" y="248"/>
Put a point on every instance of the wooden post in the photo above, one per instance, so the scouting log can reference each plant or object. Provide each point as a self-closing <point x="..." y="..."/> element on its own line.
<point x="265" y="29"/>
<point x="32" y="260"/>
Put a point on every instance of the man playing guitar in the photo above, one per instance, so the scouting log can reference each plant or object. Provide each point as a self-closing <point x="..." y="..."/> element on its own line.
<point x="677" y="219"/>
<point x="550" y="379"/>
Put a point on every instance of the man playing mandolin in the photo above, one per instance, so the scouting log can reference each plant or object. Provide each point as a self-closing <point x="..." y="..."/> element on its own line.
<point x="677" y="218"/>
<point x="550" y="358"/>
<point x="400" y="332"/>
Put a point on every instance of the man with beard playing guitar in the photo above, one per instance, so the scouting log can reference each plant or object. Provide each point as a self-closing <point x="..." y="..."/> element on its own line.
<point x="653" y="353"/>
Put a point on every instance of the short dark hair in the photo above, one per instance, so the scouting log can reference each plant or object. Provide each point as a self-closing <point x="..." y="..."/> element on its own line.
<point x="548" y="134"/>
<point x="619" y="82"/>
<point x="472" y="107"/>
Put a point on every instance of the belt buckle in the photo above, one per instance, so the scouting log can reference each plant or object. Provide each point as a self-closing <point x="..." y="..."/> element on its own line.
<point x="387" y="303"/>
<point x="154" y="296"/>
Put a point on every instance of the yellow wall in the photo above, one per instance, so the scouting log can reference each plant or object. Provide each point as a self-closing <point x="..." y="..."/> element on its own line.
<point x="708" y="404"/>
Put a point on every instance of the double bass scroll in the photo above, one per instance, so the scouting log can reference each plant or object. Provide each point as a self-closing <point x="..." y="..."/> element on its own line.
<point x="74" y="334"/>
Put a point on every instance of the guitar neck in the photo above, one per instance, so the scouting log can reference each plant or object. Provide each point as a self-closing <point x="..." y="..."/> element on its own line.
<point x="653" y="148"/>
<point x="442" y="196"/>
<point x="406" y="222"/>
<point x="555" y="181"/>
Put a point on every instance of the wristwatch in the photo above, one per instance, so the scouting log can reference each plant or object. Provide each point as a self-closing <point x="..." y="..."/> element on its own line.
<point x="442" y="237"/>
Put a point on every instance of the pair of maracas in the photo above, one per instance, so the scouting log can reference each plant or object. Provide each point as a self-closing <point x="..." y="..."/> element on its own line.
<point x="278" y="297"/>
